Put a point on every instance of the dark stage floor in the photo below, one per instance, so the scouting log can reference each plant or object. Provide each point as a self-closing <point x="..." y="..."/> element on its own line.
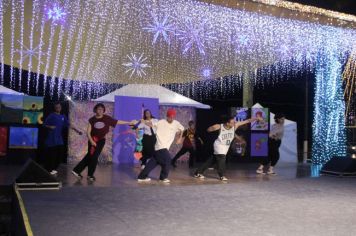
<point x="291" y="203"/>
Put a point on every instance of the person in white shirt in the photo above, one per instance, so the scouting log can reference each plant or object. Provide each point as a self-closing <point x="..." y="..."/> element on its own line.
<point x="149" y="137"/>
<point x="221" y="146"/>
<point x="274" y="142"/>
<point x="166" y="131"/>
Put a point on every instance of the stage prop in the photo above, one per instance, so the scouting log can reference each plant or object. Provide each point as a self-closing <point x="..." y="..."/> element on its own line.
<point x="23" y="138"/>
<point x="124" y="140"/>
<point x="34" y="177"/>
<point x="340" y="166"/>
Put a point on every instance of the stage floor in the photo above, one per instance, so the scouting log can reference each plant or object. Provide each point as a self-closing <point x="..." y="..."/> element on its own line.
<point x="291" y="203"/>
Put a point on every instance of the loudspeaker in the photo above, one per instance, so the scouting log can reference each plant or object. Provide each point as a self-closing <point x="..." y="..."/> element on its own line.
<point x="34" y="177"/>
<point x="341" y="166"/>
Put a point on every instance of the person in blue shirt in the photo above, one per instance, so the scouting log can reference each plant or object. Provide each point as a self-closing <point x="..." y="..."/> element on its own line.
<point x="55" y="123"/>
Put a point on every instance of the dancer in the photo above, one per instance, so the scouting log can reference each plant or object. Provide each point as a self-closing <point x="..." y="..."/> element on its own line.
<point x="149" y="137"/>
<point x="221" y="146"/>
<point x="189" y="145"/>
<point x="55" y="123"/>
<point x="98" y="127"/>
<point x="167" y="129"/>
<point x="274" y="142"/>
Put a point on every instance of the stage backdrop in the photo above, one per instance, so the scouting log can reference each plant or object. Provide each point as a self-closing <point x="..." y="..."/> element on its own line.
<point x="129" y="108"/>
<point x="80" y="112"/>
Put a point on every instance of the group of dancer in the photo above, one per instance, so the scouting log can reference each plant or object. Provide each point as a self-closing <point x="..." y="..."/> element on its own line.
<point x="158" y="137"/>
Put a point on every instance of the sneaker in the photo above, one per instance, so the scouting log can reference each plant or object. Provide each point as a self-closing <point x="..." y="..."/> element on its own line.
<point x="271" y="172"/>
<point x="91" y="178"/>
<point x="259" y="171"/>
<point x="199" y="176"/>
<point x="223" y="178"/>
<point x="143" y="167"/>
<point x="79" y="176"/>
<point x="53" y="172"/>
<point x="144" y="180"/>
<point x="165" y="181"/>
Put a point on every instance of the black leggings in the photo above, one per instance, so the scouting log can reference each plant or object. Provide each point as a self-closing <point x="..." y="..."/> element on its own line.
<point x="219" y="159"/>
<point x="90" y="160"/>
<point x="273" y="152"/>
<point x="148" y="143"/>
<point x="182" y="152"/>
<point x="54" y="158"/>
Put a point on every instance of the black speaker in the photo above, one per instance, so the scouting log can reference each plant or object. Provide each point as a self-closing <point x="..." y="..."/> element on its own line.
<point x="34" y="177"/>
<point x="341" y="166"/>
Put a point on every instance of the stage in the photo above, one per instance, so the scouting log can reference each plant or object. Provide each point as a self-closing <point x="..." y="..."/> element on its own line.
<point x="291" y="203"/>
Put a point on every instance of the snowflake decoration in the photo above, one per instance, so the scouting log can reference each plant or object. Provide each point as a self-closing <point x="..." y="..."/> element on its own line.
<point x="195" y="35"/>
<point x="136" y="65"/>
<point x="28" y="53"/>
<point x="56" y="14"/>
<point x="160" y="27"/>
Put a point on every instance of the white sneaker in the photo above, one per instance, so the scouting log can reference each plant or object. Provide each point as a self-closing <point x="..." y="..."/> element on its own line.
<point x="223" y="178"/>
<point x="143" y="167"/>
<point x="165" y="181"/>
<point x="53" y="172"/>
<point x="271" y="172"/>
<point x="259" y="171"/>
<point x="144" y="180"/>
<point x="199" y="176"/>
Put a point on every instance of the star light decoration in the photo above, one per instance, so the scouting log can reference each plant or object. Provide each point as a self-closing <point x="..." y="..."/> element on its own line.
<point x="56" y="14"/>
<point x="194" y="34"/>
<point x="28" y="53"/>
<point x="160" y="27"/>
<point x="136" y="65"/>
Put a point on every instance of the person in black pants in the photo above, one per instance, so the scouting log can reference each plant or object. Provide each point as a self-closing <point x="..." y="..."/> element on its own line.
<point x="189" y="145"/>
<point x="167" y="129"/>
<point x="55" y="123"/>
<point x="149" y="137"/>
<point x="274" y="142"/>
<point x="98" y="127"/>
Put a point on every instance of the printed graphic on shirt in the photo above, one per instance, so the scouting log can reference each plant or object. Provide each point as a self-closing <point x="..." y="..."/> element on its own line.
<point x="99" y="125"/>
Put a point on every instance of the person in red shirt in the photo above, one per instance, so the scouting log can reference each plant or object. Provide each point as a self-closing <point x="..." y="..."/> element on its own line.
<point x="98" y="127"/>
<point x="189" y="145"/>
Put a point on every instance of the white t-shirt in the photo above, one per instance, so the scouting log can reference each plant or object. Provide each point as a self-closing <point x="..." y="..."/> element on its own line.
<point x="166" y="132"/>
<point x="146" y="128"/>
<point x="222" y="143"/>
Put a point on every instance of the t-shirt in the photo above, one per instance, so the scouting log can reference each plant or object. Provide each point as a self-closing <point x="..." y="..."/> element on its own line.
<point x="101" y="126"/>
<point x="166" y="133"/>
<point x="54" y="136"/>
<point x="189" y="138"/>
<point x="277" y="131"/>
<point x="146" y="128"/>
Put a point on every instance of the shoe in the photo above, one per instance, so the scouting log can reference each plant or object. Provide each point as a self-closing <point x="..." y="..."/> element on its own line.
<point x="143" y="167"/>
<point x="165" y="181"/>
<point x="199" y="176"/>
<point x="223" y="178"/>
<point x="53" y="172"/>
<point x="79" y="176"/>
<point x="91" y="178"/>
<point x="144" y="180"/>
<point x="271" y="172"/>
<point x="259" y="171"/>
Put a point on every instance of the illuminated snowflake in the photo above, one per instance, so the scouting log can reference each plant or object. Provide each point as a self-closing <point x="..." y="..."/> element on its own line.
<point x="136" y="65"/>
<point x="195" y="34"/>
<point x="56" y="14"/>
<point x="160" y="27"/>
<point x="28" y="53"/>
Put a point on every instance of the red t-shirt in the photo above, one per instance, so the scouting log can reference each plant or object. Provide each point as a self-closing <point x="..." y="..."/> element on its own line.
<point x="101" y="126"/>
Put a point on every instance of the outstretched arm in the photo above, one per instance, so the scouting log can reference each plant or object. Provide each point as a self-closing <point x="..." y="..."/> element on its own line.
<point x="213" y="128"/>
<point x="75" y="129"/>
<point x="122" y="122"/>
<point x="240" y="123"/>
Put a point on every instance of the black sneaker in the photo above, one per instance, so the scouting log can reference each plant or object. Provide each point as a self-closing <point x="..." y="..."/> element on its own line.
<point x="91" y="178"/>
<point x="79" y="176"/>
